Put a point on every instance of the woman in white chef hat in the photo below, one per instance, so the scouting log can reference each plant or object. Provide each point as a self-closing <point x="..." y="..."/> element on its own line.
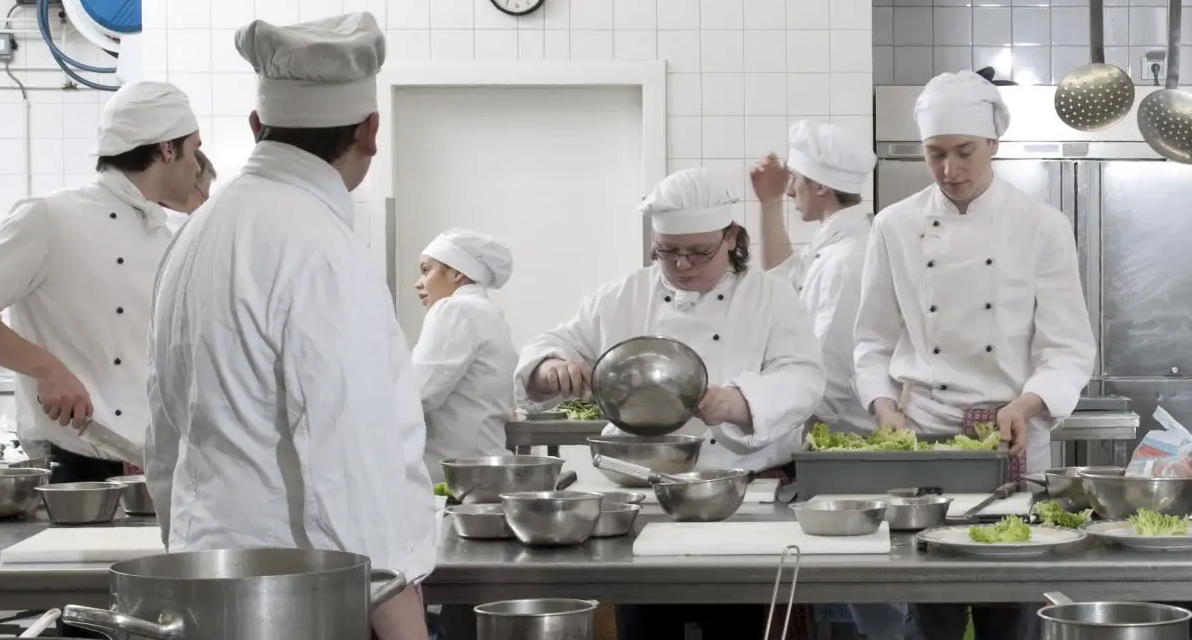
<point x="763" y="360"/>
<point x="464" y="358"/>
<point x="972" y="309"/>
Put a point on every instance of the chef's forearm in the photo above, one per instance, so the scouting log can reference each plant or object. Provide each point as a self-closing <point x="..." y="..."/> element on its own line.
<point x="776" y="244"/>
<point x="19" y="355"/>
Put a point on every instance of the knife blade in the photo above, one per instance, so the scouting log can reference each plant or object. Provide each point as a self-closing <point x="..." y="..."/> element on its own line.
<point x="115" y="445"/>
<point x="1000" y="493"/>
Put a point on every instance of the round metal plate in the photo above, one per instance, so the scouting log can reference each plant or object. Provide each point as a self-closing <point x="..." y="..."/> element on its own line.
<point x="1043" y="540"/>
<point x="1121" y="533"/>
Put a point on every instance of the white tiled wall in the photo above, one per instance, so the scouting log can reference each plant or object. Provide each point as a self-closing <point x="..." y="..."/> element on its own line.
<point x="740" y="70"/>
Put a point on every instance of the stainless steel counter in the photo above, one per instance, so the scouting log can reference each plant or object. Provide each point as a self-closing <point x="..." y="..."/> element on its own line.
<point x="473" y="571"/>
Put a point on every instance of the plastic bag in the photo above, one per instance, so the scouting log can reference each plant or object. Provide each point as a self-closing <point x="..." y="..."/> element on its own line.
<point x="1163" y="453"/>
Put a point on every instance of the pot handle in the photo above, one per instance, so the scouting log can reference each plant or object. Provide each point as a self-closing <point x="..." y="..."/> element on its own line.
<point x="168" y="627"/>
<point x="394" y="583"/>
<point x="1055" y="597"/>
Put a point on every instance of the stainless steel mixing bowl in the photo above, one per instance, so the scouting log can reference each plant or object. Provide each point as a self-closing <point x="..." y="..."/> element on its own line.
<point x="18" y="490"/>
<point x="552" y="518"/>
<point x="480" y="521"/>
<point x="709" y="496"/>
<point x="1065" y="486"/>
<point x="135" y="499"/>
<point x="666" y="454"/>
<point x="484" y="479"/>
<point x="649" y="385"/>
<point x="623" y="497"/>
<point x="81" y="502"/>
<point x="1114" y="495"/>
<point x="917" y="513"/>
<point x="840" y="517"/>
<point x="616" y="519"/>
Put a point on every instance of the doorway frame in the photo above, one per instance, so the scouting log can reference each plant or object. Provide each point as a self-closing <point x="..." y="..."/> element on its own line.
<point x="648" y="76"/>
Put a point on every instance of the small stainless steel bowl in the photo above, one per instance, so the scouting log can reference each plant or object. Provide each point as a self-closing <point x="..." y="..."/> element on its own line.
<point x="840" y="517"/>
<point x="1065" y="486"/>
<point x="484" y="479"/>
<point x="616" y="519"/>
<point x="649" y="385"/>
<point x="623" y="497"/>
<point x="135" y="499"/>
<point x="18" y="490"/>
<point x="665" y="454"/>
<point x="1114" y="495"/>
<point x="480" y="521"/>
<point x="918" y="513"/>
<point x="711" y="496"/>
<point x="552" y="518"/>
<point x="81" y="502"/>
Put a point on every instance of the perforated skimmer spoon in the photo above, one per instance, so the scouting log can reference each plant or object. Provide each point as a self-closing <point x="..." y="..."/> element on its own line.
<point x="1165" y="116"/>
<point x="1095" y="96"/>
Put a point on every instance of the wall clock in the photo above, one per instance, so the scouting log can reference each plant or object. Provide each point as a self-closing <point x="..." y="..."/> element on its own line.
<point x="518" y="7"/>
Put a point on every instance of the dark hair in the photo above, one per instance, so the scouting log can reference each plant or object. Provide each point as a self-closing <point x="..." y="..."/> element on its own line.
<point x="327" y="143"/>
<point x="738" y="256"/>
<point x="141" y="158"/>
<point x="847" y="199"/>
<point x="205" y="166"/>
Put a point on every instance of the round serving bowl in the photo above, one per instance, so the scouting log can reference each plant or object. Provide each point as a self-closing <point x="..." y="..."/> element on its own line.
<point x="665" y="454"/>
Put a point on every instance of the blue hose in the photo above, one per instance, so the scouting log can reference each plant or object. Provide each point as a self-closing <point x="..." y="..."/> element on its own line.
<point x="43" y="25"/>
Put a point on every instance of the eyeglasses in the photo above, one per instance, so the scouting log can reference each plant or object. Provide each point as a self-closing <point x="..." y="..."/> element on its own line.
<point x="694" y="256"/>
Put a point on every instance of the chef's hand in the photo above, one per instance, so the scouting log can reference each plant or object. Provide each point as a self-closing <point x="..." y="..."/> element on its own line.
<point x="557" y="377"/>
<point x="1012" y="420"/>
<point x="723" y="404"/>
<point x="888" y="415"/>
<point x="770" y="179"/>
<point x="63" y="397"/>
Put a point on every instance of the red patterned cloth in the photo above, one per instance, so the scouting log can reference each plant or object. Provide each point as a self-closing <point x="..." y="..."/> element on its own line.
<point x="1017" y="466"/>
<point x="132" y="470"/>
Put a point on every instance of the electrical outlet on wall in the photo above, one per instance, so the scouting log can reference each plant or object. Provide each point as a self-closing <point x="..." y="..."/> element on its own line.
<point x="8" y="45"/>
<point x="1154" y="67"/>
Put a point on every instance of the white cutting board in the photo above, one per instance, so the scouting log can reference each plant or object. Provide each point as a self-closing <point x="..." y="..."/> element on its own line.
<point x="85" y="544"/>
<point x="1017" y="504"/>
<point x="749" y="539"/>
<point x="758" y="491"/>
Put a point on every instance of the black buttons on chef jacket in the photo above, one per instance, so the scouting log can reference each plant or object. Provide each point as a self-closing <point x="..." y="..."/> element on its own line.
<point x="931" y="308"/>
<point x="935" y="350"/>
<point x="988" y="305"/>
<point x="716" y="336"/>
<point x="799" y="288"/>
<point x="117" y="361"/>
<point x="988" y="348"/>
<point x="713" y="441"/>
<point x="667" y="298"/>
<point x="931" y="263"/>
<point x="119" y="260"/>
<point x="119" y="413"/>
<point x="817" y="255"/>
<point x="112" y="215"/>
<point x="936" y="223"/>
<point x="119" y="309"/>
<point x="943" y="387"/>
<point x="989" y="261"/>
<point x="720" y="296"/>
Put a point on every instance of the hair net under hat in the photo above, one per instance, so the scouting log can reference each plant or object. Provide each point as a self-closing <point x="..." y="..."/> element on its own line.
<point x="690" y="201"/>
<point x="141" y="113"/>
<point x="315" y="74"/>
<point x="830" y="155"/>
<point x="481" y="258"/>
<point x="961" y="103"/>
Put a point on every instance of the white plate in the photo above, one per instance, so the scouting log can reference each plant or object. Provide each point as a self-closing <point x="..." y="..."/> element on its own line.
<point x="1121" y="532"/>
<point x="1043" y="540"/>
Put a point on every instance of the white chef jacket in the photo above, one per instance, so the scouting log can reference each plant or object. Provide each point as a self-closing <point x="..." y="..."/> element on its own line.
<point x="828" y="279"/>
<point x="77" y="273"/>
<point x="285" y="409"/>
<point x="751" y="332"/>
<point x="464" y="363"/>
<point x="974" y="310"/>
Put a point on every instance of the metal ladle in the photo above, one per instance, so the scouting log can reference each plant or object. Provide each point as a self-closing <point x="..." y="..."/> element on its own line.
<point x="1095" y="96"/>
<point x="1165" y="116"/>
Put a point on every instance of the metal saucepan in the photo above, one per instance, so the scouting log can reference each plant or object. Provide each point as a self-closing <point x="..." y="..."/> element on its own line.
<point x="536" y="619"/>
<point x="1165" y="116"/>
<point x="649" y="385"/>
<point x="1068" y="620"/>
<point x="247" y="594"/>
<point x="1095" y="96"/>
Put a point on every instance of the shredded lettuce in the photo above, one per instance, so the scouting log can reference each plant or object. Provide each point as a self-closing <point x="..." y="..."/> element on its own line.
<point x="887" y="438"/>
<point x="1009" y="529"/>
<point x="1051" y="513"/>
<point x="1153" y="523"/>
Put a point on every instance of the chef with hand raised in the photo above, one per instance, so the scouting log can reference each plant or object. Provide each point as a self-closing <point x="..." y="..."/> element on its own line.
<point x="764" y="368"/>
<point x="971" y="298"/>
<point x="285" y="404"/>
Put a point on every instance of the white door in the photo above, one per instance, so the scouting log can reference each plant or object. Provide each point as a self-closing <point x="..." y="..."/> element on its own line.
<point x="554" y="172"/>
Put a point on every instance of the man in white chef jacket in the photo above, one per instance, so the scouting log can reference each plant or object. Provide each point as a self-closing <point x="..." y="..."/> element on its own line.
<point x="971" y="296"/>
<point x="77" y="273"/>
<point x="464" y="357"/>
<point x="764" y="367"/>
<point x="285" y="411"/>
<point x="824" y="174"/>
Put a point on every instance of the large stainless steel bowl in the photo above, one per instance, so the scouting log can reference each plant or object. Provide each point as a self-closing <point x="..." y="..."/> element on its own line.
<point x="1065" y="486"/>
<point x="484" y="479"/>
<point x="18" y="490"/>
<point x="709" y="496"/>
<point x="552" y="518"/>
<point x="649" y="385"/>
<point x="135" y="499"/>
<point x="840" y="517"/>
<point x="81" y="502"/>
<point x="665" y="454"/>
<point x="536" y="619"/>
<point x="1112" y="494"/>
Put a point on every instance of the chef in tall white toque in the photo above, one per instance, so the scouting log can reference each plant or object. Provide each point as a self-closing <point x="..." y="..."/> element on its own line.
<point x="972" y="302"/>
<point x="78" y="268"/>
<point x="285" y="406"/>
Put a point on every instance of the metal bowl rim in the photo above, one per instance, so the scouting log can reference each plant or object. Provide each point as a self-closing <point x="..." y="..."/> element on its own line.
<point x="551" y="496"/>
<point x="582" y="606"/>
<point x="21" y="472"/>
<point x="1084" y="475"/>
<point x="65" y="487"/>
<point x="619" y="507"/>
<point x="478" y="509"/>
<point x="678" y="439"/>
<point x="1077" y="472"/>
<point x="727" y="474"/>
<point x="1187" y="615"/>
<point x="129" y="480"/>
<point x="632" y="497"/>
<point x="511" y="461"/>
<point x="815" y="505"/>
<point x="916" y="501"/>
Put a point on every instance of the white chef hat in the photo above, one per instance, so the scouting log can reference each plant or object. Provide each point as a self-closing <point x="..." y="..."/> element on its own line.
<point x="486" y="261"/>
<point x="690" y="201"/>
<point x="830" y="155"/>
<point x="961" y="103"/>
<point x="315" y="74"/>
<point x="142" y="113"/>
